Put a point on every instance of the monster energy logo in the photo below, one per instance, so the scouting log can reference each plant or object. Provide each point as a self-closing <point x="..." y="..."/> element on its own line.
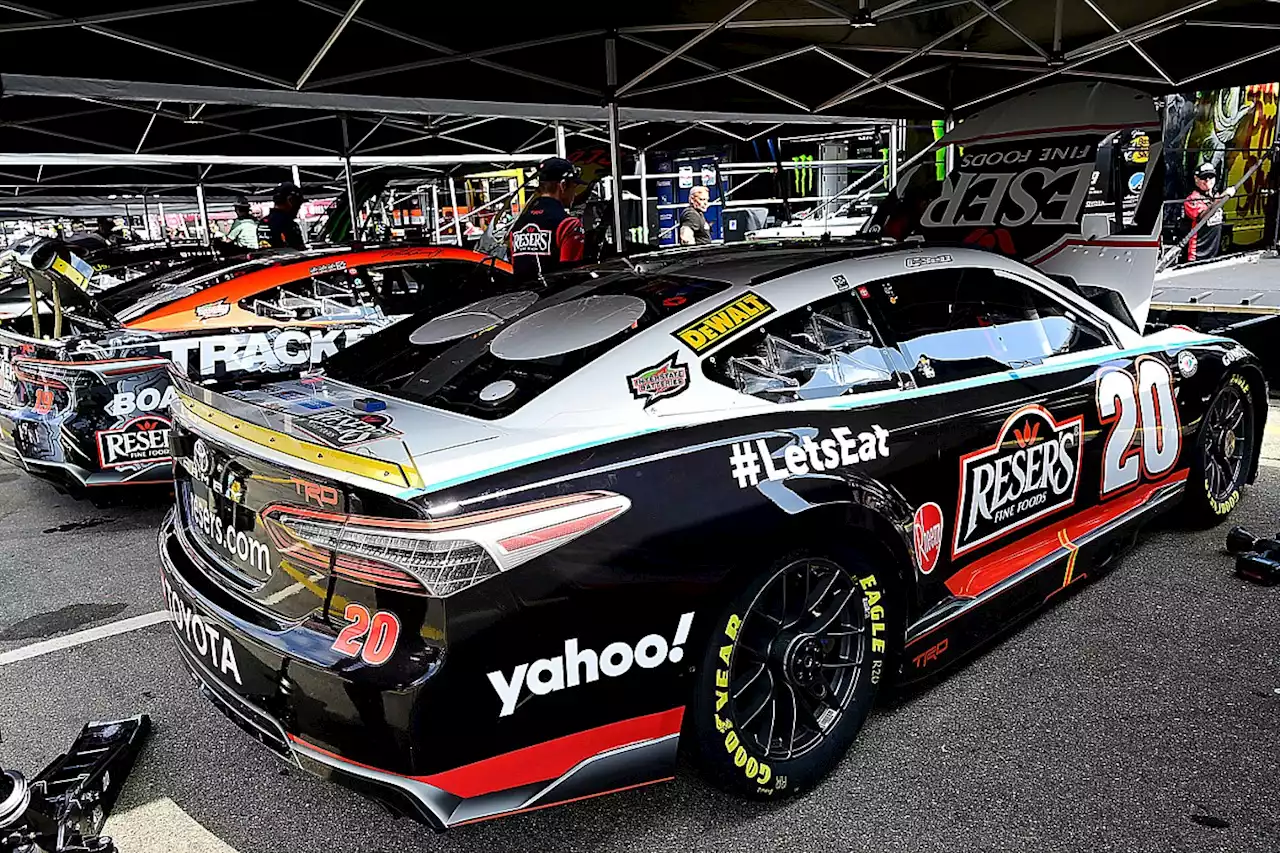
<point x="803" y="174"/>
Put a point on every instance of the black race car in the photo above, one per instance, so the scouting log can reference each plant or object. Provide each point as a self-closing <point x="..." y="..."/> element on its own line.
<point x="84" y="381"/>
<point x="512" y="551"/>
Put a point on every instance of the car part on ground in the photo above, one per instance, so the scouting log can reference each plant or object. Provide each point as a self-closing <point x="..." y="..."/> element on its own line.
<point x="63" y="809"/>
<point x="1257" y="559"/>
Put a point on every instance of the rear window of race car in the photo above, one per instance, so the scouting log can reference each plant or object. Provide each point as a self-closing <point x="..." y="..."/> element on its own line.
<point x="488" y="357"/>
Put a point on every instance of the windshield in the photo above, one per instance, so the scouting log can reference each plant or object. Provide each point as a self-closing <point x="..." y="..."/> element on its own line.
<point x="486" y="354"/>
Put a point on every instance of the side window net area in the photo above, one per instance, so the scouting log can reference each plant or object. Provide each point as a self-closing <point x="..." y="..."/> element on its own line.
<point x="822" y="350"/>
<point x="335" y="296"/>
<point x="957" y="323"/>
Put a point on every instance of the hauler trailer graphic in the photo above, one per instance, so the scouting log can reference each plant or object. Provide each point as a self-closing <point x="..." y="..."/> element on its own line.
<point x="544" y="568"/>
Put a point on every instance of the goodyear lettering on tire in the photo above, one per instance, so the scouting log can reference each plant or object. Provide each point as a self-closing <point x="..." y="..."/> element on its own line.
<point x="757" y="770"/>
<point x="1225" y="506"/>
<point x="753" y="768"/>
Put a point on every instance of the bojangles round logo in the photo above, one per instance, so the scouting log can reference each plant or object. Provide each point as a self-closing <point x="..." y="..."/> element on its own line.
<point x="1031" y="470"/>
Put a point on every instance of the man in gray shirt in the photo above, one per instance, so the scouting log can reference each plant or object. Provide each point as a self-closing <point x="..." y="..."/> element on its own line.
<point x="693" y="223"/>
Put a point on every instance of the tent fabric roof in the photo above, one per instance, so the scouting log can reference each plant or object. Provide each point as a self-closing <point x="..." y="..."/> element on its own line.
<point x="122" y="76"/>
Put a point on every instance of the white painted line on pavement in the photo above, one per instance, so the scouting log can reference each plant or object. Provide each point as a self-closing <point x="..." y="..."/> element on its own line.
<point x="79" y="638"/>
<point x="162" y="826"/>
<point x="280" y="595"/>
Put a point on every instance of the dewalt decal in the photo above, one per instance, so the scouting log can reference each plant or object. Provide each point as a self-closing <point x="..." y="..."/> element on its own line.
<point x="724" y="322"/>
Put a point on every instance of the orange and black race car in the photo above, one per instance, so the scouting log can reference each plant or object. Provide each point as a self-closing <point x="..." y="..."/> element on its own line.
<point x="84" y="384"/>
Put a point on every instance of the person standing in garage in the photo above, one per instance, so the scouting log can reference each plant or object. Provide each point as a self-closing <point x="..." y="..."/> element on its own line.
<point x="1206" y="242"/>
<point x="694" y="230"/>
<point x="282" y="220"/>
<point x="546" y="237"/>
<point x="244" y="230"/>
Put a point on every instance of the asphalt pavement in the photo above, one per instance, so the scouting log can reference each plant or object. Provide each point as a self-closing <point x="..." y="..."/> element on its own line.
<point x="1140" y="713"/>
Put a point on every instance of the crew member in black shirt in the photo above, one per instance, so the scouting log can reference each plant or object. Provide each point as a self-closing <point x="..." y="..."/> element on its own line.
<point x="282" y="220"/>
<point x="693" y="223"/>
<point x="546" y="237"/>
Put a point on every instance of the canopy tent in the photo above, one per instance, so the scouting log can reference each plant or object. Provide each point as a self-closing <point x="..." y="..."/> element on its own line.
<point x="229" y="91"/>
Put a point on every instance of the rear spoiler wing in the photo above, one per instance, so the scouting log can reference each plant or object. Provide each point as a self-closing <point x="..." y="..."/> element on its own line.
<point x="257" y="429"/>
<point x="55" y="272"/>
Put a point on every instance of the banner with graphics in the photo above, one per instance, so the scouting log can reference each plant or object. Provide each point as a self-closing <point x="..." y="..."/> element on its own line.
<point x="1042" y="176"/>
<point x="1232" y="129"/>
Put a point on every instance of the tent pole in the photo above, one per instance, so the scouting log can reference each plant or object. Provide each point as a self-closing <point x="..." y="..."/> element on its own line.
<point x="615" y="162"/>
<point x="351" y="192"/>
<point x="644" y="193"/>
<point x="615" y="169"/>
<point x="453" y="202"/>
<point x="561" y="149"/>
<point x="207" y="237"/>
<point x="146" y="216"/>
<point x="435" y="213"/>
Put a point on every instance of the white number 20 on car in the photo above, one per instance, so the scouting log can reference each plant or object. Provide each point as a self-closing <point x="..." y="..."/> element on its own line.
<point x="1143" y="404"/>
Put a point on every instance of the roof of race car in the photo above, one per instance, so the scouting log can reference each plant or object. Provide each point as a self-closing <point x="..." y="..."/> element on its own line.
<point x="587" y="382"/>
<point x="237" y="280"/>
<point x="595" y="403"/>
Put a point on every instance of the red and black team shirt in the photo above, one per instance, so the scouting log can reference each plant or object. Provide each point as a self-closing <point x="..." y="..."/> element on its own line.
<point x="545" y="238"/>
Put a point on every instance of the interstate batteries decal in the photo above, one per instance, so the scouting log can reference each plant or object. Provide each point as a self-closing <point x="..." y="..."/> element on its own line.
<point x="1032" y="470"/>
<point x="724" y="322"/>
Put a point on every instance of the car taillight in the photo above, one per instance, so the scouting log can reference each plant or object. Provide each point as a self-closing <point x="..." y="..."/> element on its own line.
<point x="435" y="558"/>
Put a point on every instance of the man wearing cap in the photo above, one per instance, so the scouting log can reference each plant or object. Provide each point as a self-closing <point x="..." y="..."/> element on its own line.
<point x="244" y="230"/>
<point x="546" y="237"/>
<point x="1205" y="242"/>
<point x="282" y="220"/>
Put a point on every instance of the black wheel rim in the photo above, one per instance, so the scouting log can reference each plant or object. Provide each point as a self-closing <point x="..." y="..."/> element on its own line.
<point x="798" y="658"/>
<point x="1228" y="437"/>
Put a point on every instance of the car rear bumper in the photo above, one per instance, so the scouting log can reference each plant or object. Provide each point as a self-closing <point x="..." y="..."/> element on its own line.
<point x="269" y="680"/>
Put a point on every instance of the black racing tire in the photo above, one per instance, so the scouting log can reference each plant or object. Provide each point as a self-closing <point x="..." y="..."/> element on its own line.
<point x="1223" y="454"/>
<point x="824" y="664"/>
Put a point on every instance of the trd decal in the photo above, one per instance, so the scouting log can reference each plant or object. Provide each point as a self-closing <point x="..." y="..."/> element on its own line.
<point x="663" y="380"/>
<point x="1143" y="407"/>
<point x="927" y="531"/>
<point x="718" y="326"/>
<point x="1031" y="470"/>
<point x="752" y="461"/>
<point x="574" y="667"/>
<point x="315" y="493"/>
<point x="381" y="628"/>
<point x="930" y="655"/>
<point x="342" y="428"/>
<point x="141" y="441"/>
